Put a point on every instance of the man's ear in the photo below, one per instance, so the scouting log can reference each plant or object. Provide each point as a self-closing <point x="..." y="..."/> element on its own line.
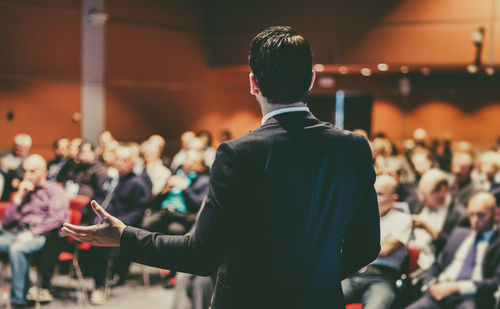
<point x="254" y="88"/>
<point x="313" y="78"/>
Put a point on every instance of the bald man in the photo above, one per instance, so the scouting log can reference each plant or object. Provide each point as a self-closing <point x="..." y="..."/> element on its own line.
<point x="467" y="272"/>
<point x="374" y="285"/>
<point x="38" y="207"/>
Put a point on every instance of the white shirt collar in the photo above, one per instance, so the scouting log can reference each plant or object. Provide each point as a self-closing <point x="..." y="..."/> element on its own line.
<point x="284" y="110"/>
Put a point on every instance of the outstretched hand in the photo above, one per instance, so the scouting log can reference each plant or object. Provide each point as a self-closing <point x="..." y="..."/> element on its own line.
<point x="106" y="233"/>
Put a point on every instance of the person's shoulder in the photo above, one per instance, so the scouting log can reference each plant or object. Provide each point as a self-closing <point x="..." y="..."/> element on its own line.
<point x="54" y="188"/>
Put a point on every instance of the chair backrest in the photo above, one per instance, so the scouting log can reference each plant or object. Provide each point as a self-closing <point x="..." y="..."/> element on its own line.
<point x="78" y="202"/>
<point x="413" y="254"/>
<point x="75" y="219"/>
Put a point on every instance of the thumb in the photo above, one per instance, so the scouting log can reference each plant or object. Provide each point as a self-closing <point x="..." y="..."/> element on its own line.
<point x="100" y="212"/>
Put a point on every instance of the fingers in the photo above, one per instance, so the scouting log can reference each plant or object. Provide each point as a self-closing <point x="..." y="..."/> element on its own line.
<point x="78" y="228"/>
<point x="78" y="236"/>
<point x="101" y="213"/>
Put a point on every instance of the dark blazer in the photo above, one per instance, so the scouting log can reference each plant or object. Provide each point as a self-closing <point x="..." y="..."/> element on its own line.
<point x="491" y="263"/>
<point x="291" y="211"/>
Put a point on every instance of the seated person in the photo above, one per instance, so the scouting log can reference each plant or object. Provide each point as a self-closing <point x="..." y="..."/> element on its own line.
<point x="126" y="198"/>
<point x="11" y="164"/>
<point x="54" y="166"/>
<point x="374" y="284"/>
<point x="436" y="219"/>
<point x="467" y="272"/>
<point x="38" y="207"/>
<point x="153" y="165"/>
<point x="463" y="187"/>
<point x="182" y="195"/>
<point x="88" y="174"/>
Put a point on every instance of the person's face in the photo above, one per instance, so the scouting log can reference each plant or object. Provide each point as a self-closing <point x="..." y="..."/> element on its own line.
<point x="482" y="215"/>
<point x="74" y="148"/>
<point x="21" y="150"/>
<point x="385" y="197"/>
<point x="150" y="154"/>
<point x="62" y="148"/>
<point x="436" y="198"/>
<point x="186" y="139"/>
<point x="461" y="170"/>
<point x="124" y="161"/>
<point x="34" y="172"/>
<point x="193" y="162"/>
<point x="86" y="155"/>
<point x="421" y="163"/>
<point x="489" y="169"/>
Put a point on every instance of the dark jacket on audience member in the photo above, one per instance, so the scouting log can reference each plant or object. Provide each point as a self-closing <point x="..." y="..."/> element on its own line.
<point x="90" y="178"/>
<point x="128" y="202"/>
<point x="491" y="263"/>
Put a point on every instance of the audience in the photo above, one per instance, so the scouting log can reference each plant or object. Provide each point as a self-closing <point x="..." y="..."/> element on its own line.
<point x="38" y="207"/>
<point x="467" y="272"/>
<point x="412" y="178"/>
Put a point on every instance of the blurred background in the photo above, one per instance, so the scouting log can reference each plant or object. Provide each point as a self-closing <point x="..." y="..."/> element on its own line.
<point x="75" y="68"/>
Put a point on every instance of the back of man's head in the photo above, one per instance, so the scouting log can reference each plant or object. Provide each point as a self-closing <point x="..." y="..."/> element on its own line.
<point x="281" y="61"/>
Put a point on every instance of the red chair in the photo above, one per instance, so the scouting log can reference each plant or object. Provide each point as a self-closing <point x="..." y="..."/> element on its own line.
<point x="354" y="306"/>
<point x="78" y="202"/>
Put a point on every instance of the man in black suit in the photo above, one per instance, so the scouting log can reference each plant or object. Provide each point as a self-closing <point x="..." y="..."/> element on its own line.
<point x="291" y="209"/>
<point x="467" y="272"/>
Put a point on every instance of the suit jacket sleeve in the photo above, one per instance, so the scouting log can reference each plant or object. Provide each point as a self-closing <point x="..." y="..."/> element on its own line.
<point x="202" y="250"/>
<point x="362" y="238"/>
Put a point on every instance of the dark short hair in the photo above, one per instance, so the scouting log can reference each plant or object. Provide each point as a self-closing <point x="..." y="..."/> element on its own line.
<point x="281" y="61"/>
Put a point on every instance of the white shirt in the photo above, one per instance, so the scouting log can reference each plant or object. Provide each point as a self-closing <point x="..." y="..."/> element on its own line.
<point x="284" y="110"/>
<point x="394" y="225"/>
<point x="422" y="240"/>
<point x="467" y="287"/>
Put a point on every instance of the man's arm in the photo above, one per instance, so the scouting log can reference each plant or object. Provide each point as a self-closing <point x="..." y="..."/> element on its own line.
<point x="362" y="238"/>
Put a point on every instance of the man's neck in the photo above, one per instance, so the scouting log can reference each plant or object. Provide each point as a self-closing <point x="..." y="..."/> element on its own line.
<point x="267" y="107"/>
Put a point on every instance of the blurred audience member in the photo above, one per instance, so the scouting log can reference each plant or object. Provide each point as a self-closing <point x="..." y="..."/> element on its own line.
<point x="489" y="167"/>
<point x="183" y="195"/>
<point x="374" y="285"/>
<point x="436" y="218"/>
<point x="208" y="150"/>
<point x="104" y="139"/>
<point x="38" y="207"/>
<point x="180" y="156"/>
<point x="467" y="272"/>
<point x="11" y="164"/>
<point x="225" y="135"/>
<point x="54" y="166"/>
<point x="157" y="172"/>
<point x="126" y="198"/>
<point x="463" y="187"/>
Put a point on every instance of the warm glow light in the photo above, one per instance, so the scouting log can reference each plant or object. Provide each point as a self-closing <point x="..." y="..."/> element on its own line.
<point x="404" y="69"/>
<point x="366" y="72"/>
<point x="472" y="69"/>
<point x="343" y="69"/>
<point x="383" y="67"/>
<point x="489" y="70"/>
<point x="425" y="70"/>
<point x="319" y="67"/>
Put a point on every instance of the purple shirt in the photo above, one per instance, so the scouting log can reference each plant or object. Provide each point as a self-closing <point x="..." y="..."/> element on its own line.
<point x="43" y="209"/>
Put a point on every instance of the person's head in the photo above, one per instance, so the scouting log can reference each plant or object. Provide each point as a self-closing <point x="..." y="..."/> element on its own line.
<point x="186" y="139"/>
<point x="197" y="144"/>
<point x="87" y="152"/>
<point x="483" y="211"/>
<point x="394" y="167"/>
<point x="281" y="65"/>
<point x="125" y="158"/>
<point x="61" y="147"/>
<point x="385" y="186"/>
<point x="150" y="151"/>
<point x="224" y="135"/>
<point x="461" y="166"/>
<point x="22" y="145"/>
<point x="193" y="162"/>
<point x="105" y="137"/>
<point x="108" y="154"/>
<point x="433" y="188"/>
<point x="74" y="148"/>
<point x="421" y="161"/>
<point x="489" y="164"/>
<point x="35" y="169"/>
<point x="206" y="137"/>
<point x="158" y="141"/>
<point x="420" y="135"/>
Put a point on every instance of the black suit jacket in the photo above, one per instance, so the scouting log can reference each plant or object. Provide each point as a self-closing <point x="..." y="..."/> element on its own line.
<point x="491" y="263"/>
<point x="291" y="211"/>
